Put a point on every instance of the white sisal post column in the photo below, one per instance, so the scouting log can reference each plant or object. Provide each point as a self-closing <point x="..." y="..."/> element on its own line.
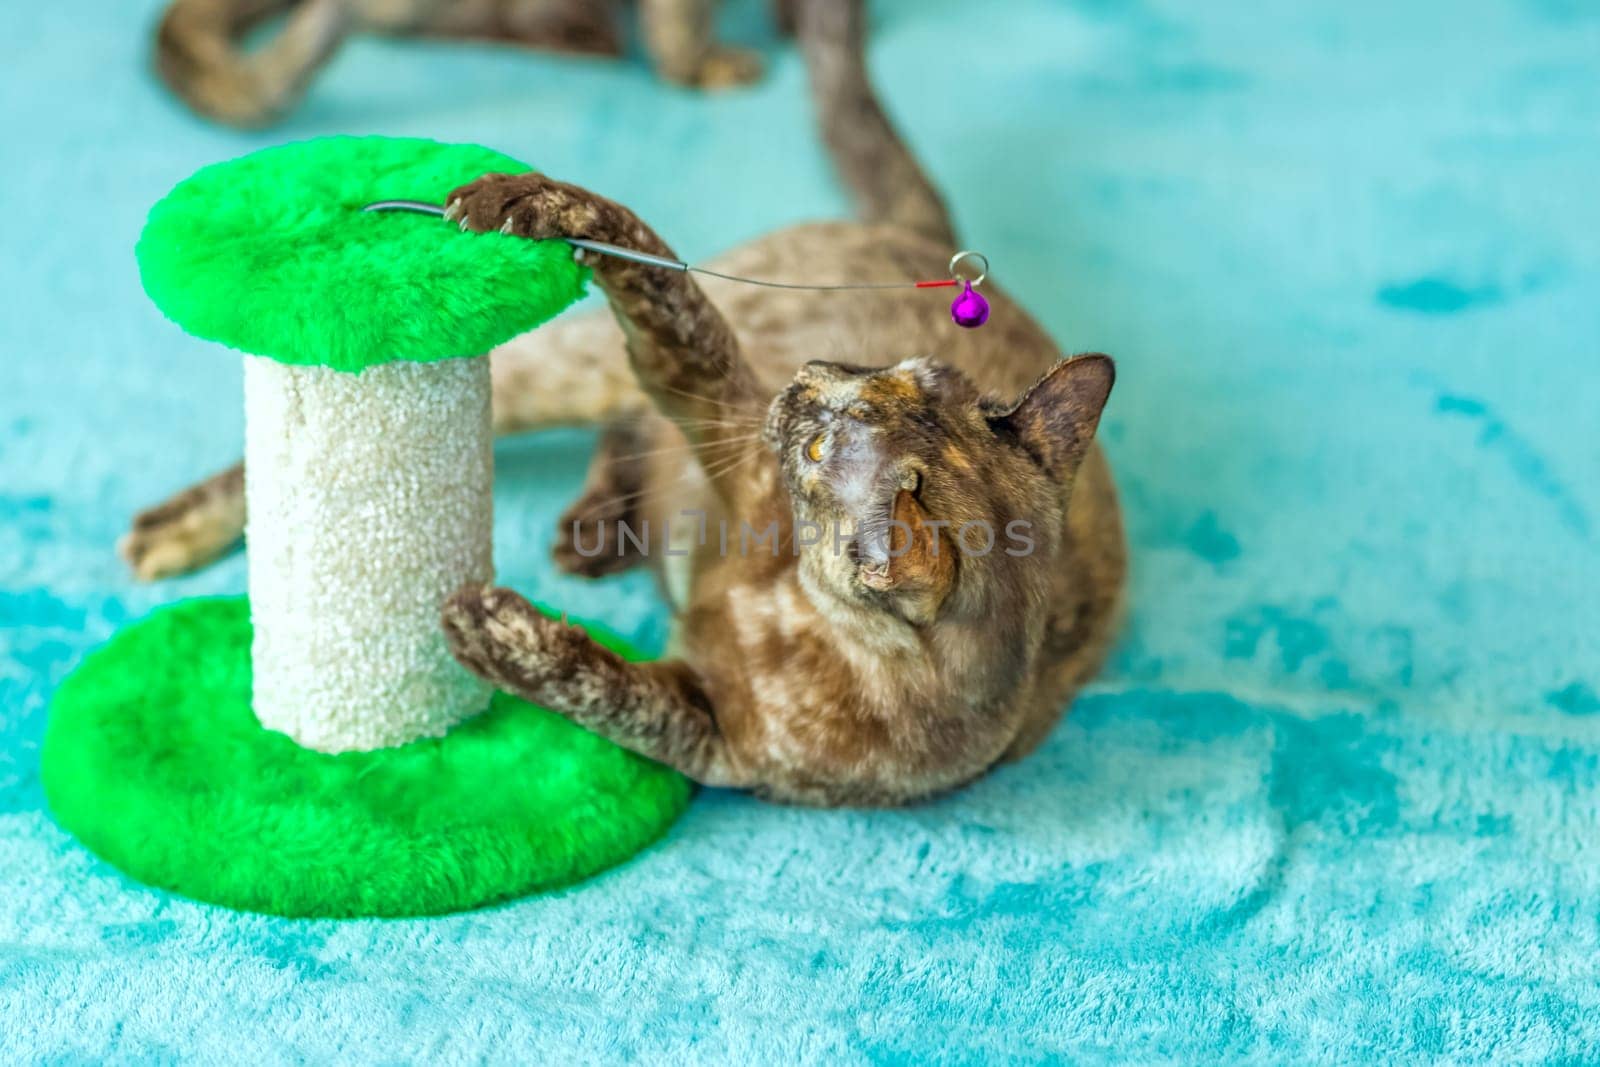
<point x="369" y="502"/>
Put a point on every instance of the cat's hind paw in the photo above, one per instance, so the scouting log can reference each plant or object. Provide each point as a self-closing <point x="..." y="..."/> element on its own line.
<point x="187" y="531"/>
<point x="728" y="68"/>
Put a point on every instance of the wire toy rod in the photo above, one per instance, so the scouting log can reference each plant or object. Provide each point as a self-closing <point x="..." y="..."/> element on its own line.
<point x="604" y="248"/>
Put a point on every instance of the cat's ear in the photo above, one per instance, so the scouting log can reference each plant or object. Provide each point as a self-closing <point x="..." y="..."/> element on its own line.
<point x="922" y="563"/>
<point x="1056" y="419"/>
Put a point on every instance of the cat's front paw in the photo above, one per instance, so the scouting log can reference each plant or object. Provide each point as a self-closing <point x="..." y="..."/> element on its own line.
<point x="527" y="205"/>
<point x="497" y="635"/>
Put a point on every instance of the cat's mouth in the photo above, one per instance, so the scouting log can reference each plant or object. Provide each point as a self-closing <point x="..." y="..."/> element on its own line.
<point x="873" y="548"/>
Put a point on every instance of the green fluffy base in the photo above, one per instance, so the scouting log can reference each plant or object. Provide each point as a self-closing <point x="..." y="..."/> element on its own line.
<point x="153" y="759"/>
<point x="272" y="254"/>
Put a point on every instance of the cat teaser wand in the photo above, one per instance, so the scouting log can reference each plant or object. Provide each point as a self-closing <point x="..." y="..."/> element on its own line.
<point x="970" y="310"/>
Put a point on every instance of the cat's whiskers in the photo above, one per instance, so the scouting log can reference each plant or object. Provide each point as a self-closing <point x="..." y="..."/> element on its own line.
<point x="730" y="418"/>
<point x="729" y="464"/>
<point x="738" y="408"/>
<point x="714" y="425"/>
<point x="716" y="446"/>
<point x="642" y="496"/>
<point x="726" y="459"/>
<point x="746" y="422"/>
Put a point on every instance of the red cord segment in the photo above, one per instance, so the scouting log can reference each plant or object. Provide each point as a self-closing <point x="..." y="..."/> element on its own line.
<point x="947" y="283"/>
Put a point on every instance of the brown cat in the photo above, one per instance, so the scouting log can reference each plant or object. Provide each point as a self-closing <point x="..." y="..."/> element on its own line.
<point x="844" y="633"/>
<point x="199" y="54"/>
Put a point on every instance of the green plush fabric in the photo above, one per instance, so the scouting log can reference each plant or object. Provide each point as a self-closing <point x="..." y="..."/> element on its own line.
<point x="272" y="254"/>
<point x="154" y="760"/>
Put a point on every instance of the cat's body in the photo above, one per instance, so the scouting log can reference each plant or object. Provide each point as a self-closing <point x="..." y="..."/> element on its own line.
<point x="792" y="670"/>
<point x="200" y="53"/>
<point x="885" y="664"/>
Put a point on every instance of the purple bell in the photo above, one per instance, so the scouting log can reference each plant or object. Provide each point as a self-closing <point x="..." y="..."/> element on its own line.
<point x="970" y="309"/>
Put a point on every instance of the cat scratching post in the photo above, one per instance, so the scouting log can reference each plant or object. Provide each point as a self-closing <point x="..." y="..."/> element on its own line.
<point x="314" y="749"/>
<point x="368" y="498"/>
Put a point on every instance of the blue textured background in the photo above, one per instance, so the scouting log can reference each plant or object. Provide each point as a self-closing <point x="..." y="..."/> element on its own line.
<point x="1336" y="797"/>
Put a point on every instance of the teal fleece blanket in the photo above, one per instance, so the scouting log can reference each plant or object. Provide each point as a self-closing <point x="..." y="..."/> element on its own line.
<point x="1335" y="800"/>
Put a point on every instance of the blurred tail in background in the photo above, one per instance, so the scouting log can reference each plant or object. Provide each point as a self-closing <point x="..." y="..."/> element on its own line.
<point x="887" y="181"/>
<point x="198" y="54"/>
<point x="201" y="52"/>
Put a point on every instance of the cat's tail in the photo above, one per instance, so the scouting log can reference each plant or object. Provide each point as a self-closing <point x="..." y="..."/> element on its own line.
<point x="887" y="181"/>
<point x="199" y="54"/>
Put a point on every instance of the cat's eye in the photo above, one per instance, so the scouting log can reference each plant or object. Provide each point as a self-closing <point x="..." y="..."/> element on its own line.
<point x="817" y="448"/>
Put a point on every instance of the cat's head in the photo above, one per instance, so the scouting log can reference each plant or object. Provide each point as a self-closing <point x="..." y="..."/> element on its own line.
<point x="911" y="488"/>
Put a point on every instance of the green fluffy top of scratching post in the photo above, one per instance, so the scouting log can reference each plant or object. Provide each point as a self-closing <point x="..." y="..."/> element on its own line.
<point x="272" y="254"/>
